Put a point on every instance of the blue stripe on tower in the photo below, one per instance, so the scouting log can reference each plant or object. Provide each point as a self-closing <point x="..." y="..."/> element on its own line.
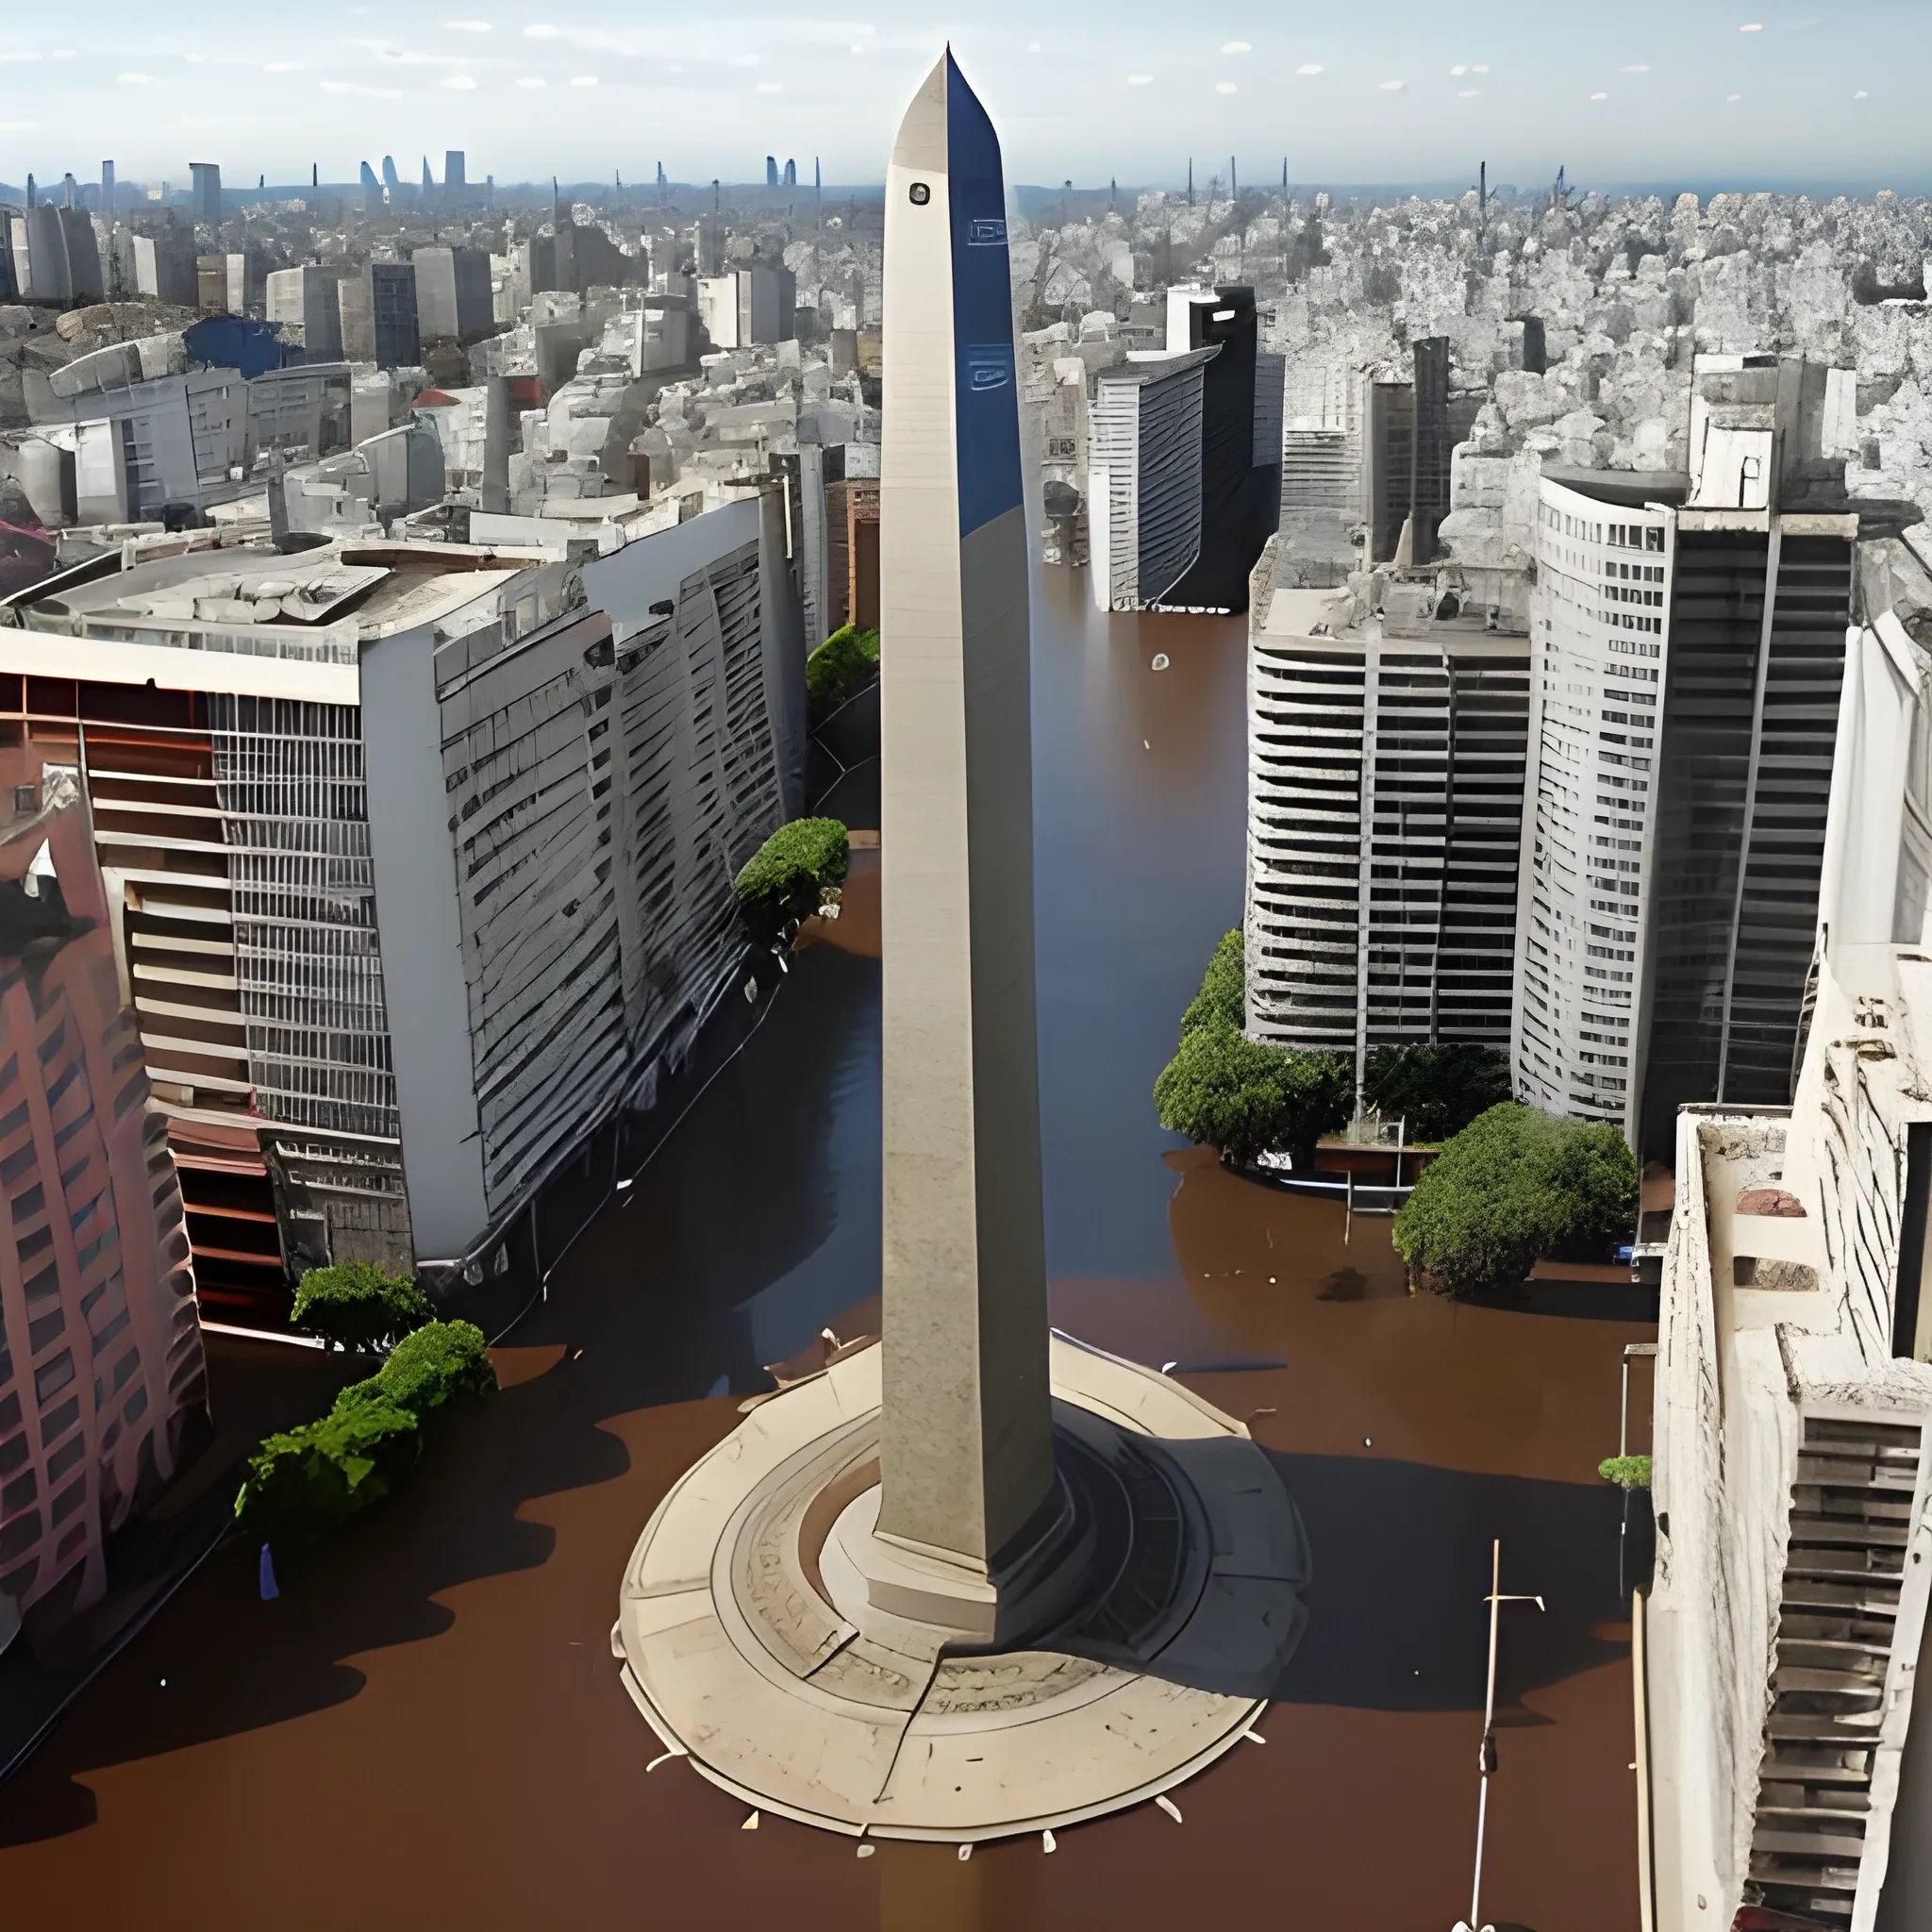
<point x="986" y="409"/>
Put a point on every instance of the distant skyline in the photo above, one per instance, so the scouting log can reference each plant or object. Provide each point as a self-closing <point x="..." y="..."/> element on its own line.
<point x="1652" y="90"/>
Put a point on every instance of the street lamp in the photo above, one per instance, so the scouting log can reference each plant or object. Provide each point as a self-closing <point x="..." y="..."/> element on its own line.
<point x="1486" y="1756"/>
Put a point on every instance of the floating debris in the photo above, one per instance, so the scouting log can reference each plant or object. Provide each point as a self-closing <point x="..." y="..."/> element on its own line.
<point x="663" y="1757"/>
<point x="751" y="1823"/>
<point x="1169" y="1806"/>
<point x="1253" y="1737"/>
<point x="866" y="1851"/>
<point x="1160" y="661"/>
<point x="965" y="1853"/>
<point x="1048" y="1842"/>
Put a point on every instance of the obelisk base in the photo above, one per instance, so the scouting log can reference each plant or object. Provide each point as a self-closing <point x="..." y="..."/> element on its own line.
<point x="822" y="1672"/>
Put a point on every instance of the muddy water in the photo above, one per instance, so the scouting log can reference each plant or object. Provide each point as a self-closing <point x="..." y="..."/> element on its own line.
<point x="427" y="1730"/>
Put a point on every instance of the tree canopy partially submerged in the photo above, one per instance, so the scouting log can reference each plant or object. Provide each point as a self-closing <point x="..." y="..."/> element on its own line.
<point x="1438" y="1088"/>
<point x="1513" y="1187"/>
<point x="786" y="875"/>
<point x="1226" y="1091"/>
<point x="845" y="663"/>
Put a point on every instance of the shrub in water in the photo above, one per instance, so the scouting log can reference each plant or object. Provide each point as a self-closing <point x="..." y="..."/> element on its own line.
<point x="357" y="1305"/>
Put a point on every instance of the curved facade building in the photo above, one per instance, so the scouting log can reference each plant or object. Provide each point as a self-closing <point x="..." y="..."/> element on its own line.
<point x="1386" y="770"/>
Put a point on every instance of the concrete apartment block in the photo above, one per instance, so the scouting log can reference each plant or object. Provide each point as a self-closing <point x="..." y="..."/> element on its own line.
<point x="1385" y="810"/>
<point x="307" y="297"/>
<point x="334" y="843"/>
<point x="100" y="1342"/>
<point x="453" y="293"/>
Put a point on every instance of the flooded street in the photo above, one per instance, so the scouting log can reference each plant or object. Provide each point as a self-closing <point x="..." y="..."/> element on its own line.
<point x="427" y="1728"/>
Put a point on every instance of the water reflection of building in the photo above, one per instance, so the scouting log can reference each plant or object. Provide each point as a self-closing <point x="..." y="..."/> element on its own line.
<point x="419" y="860"/>
<point x="100" y="1345"/>
<point x="1386" y="758"/>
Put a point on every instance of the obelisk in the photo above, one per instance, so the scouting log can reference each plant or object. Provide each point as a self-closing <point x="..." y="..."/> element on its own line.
<point x="966" y="1443"/>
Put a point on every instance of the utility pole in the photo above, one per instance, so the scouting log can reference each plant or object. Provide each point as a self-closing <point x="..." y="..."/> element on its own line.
<point x="1485" y="1756"/>
<point x="1190" y="185"/>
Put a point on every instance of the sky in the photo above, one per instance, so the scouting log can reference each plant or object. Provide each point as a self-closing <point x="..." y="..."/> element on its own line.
<point x="1726" y="91"/>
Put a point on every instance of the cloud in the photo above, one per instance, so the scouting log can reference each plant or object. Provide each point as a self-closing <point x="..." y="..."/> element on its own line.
<point x="18" y="127"/>
<point x="583" y="80"/>
<point x="542" y="30"/>
<point x="285" y="67"/>
<point x="1467" y="93"/>
<point x="769" y="87"/>
<point x="350" y="87"/>
<point x="1751" y="26"/>
<point x="469" y="26"/>
<point x="1310" y="71"/>
<point x="1480" y="67"/>
<point x="461" y="82"/>
<point x="1640" y="68"/>
<point x="1396" y="87"/>
<point x="1728" y="98"/>
<point x="1236" y="47"/>
<point x="135" y="79"/>
<point x="1140" y="81"/>
<point x="1599" y="97"/>
<point x="1033" y="46"/>
<point x="31" y="55"/>
<point x="532" y="80"/>
<point x="1862" y="95"/>
<point x="1226" y="87"/>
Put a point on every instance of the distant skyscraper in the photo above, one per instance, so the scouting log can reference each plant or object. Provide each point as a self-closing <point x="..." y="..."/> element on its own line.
<point x="455" y="189"/>
<point x="661" y="181"/>
<point x="389" y="178"/>
<point x="791" y="173"/>
<point x="429" y="181"/>
<point x="205" y="194"/>
<point x="108" y="192"/>
<point x="1185" y="468"/>
<point x="771" y="171"/>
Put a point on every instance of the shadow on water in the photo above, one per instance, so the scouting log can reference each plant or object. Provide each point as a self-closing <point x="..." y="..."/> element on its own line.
<point x="729" y="1251"/>
<point x="1398" y="1617"/>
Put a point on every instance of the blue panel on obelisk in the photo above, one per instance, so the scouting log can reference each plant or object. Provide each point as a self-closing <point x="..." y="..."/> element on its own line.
<point x="988" y="405"/>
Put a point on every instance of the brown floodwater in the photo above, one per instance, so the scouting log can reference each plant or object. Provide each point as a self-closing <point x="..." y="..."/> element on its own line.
<point x="426" y="1729"/>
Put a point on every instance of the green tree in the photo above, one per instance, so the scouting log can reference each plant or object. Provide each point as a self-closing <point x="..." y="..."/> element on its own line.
<point x="846" y="661"/>
<point x="787" y="875"/>
<point x="358" y="1304"/>
<point x="1513" y="1186"/>
<point x="305" y="1481"/>
<point x="1438" y="1089"/>
<point x="425" y="1368"/>
<point x="1223" y="999"/>
<point x="1226" y="1091"/>
<point x="1222" y="1090"/>
<point x="1626" y="1472"/>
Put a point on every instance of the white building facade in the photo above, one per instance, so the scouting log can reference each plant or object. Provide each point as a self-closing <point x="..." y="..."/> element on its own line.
<point x="1599" y="635"/>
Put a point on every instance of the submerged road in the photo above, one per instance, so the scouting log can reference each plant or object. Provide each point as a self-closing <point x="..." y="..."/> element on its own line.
<point x="427" y="1728"/>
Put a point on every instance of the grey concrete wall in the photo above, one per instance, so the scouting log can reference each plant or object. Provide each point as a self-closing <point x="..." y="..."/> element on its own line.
<point x="421" y="939"/>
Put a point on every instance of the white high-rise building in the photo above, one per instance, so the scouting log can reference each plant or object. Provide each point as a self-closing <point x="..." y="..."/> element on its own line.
<point x="1386" y="758"/>
<point x="1599" y="623"/>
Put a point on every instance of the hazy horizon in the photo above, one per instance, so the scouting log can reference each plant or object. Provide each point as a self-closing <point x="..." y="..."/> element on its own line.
<point x="1727" y="92"/>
